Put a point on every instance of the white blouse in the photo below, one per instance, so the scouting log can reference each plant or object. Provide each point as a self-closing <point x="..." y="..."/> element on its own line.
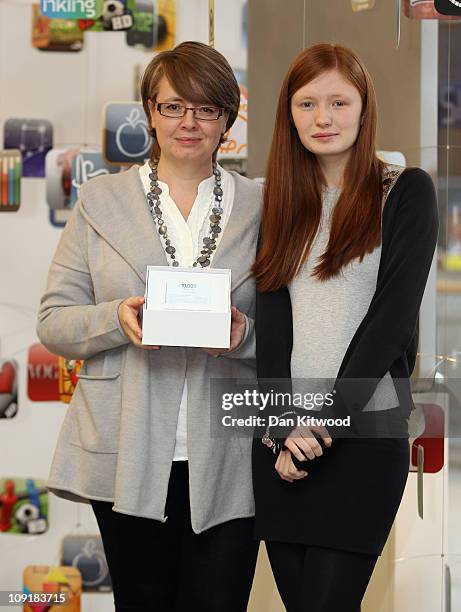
<point x="187" y="238"/>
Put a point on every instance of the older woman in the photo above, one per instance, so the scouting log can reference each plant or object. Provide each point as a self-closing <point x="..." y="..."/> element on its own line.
<point x="174" y="506"/>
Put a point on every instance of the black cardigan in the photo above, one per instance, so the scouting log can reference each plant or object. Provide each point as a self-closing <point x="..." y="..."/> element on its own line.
<point x="387" y="337"/>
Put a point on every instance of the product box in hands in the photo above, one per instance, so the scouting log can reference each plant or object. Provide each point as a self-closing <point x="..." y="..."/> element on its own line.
<point x="187" y="307"/>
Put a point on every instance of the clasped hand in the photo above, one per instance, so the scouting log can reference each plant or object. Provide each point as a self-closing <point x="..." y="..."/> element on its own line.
<point x="303" y="444"/>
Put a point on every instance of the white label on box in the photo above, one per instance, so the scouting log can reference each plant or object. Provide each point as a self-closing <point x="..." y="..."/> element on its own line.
<point x="187" y="293"/>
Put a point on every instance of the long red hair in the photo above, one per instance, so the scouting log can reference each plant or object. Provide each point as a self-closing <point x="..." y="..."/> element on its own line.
<point x="292" y="195"/>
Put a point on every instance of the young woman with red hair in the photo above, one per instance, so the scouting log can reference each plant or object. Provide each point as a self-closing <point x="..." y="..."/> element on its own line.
<point x="345" y="248"/>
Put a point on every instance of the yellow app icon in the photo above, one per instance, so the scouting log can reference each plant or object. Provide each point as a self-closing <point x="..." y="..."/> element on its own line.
<point x="58" y="585"/>
<point x="166" y="25"/>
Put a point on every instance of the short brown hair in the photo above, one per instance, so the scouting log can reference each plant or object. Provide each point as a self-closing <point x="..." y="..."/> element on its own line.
<point x="198" y="73"/>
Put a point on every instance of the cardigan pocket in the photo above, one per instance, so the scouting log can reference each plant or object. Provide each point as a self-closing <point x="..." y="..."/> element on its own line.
<point x="97" y="410"/>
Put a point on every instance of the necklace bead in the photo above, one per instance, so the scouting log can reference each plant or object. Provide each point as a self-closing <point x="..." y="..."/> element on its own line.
<point x="209" y="242"/>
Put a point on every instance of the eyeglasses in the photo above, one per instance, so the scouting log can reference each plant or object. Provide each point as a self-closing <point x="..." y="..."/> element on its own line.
<point x="202" y="113"/>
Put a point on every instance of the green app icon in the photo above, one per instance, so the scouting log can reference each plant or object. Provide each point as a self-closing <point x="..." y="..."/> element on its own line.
<point x="71" y="9"/>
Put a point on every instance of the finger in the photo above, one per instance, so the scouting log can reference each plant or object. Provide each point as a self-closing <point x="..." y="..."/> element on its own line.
<point x="137" y="342"/>
<point x="134" y="301"/>
<point x="314" y="446"/>
<point x="291" y="471"/>
<point x="133" y="338"/>
<point x="292" y="445"/>
<point x="279" y="470"/>
<point x="308" y="443"/>
<point x="304" y="446"/>
<point x="130" y="321"/>
<point x="148" y="347"/>
<point x="280" y="460"/>
<point x="324" y="434"/>
<point x="283" y="476"/>
<point x="277" y="463"/>
<point x="287" y="467"/>
<point x="237" y="315"/>
<point x="309" y="446"/>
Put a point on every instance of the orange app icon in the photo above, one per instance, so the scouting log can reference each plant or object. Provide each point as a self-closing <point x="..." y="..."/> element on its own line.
<point x="68" y="377"/>
<point x="60" y="585"/>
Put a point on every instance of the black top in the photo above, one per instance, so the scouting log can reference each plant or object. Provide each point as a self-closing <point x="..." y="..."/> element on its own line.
<point x="351" y="495"/>
<point x="387" y="337"/>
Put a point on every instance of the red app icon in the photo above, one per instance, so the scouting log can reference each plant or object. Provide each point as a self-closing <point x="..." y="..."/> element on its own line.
<point x="42" y="375"/>
<point x="7" y="376"/>
<point x="8" y="389"/>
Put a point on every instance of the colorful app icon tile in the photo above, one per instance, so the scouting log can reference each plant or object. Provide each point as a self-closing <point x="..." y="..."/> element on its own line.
<point x="56" y="580"/>
<point x="85" y="166"/>
<point x="452" y="257"/>
<point x="362" y="5"/>
<point x="23" y="506"/>
<point x="235" y="146"/>
<point x="8" y="388"/>
<point x="71" y="9"/>
<point x="58" y="173"/>
<point x="449" y="7"/>
<point x="58" y="218"/>
<point x="42" y="374"/>
<point x="55" y="34"/>
<point x="423" y="9"/>
<point x="10" y="180"/>
<point x="68" y="377"/>
<point x="34" y="138"/>
<point x="116" y="16"/>
<point x="126" y="139"/>
<point x="86" y="553"/>
<point x="142" y="33"/>
<point x="166" y="25"/>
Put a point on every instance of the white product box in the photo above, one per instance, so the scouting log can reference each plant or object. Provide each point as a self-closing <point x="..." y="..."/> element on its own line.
<point x="187" y="307"/>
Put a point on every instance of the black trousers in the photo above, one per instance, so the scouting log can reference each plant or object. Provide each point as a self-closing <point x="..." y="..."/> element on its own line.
<point x="315" y="579"/>
<point x="166" y="567"/>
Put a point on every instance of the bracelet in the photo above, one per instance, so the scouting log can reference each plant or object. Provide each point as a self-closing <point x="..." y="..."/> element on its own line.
<point x="270" y="442"/>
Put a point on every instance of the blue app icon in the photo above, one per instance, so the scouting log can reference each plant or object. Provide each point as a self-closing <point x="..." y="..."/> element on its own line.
<point x="126" y="138"/>
<point x="85" y="166"/>
<point x="34" y="138"/>
<point x="58" y="217"/>
<point x="86" y="553"/>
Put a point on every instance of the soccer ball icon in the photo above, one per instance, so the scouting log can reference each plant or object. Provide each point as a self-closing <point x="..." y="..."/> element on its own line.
<point x="111" y="9"/>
